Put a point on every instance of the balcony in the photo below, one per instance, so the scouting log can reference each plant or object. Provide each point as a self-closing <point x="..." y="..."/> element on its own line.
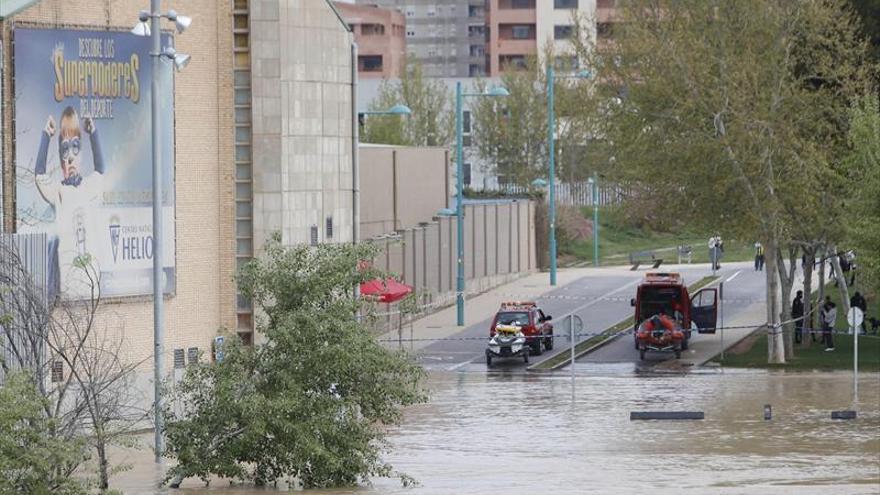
<point x="516" y="32"/>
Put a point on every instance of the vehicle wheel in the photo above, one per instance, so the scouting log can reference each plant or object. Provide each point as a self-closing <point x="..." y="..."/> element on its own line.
<point x="548" y="343"/>
<point x="526" y="355"/>
<point x="642" y="353"/>
<point x="537" y="350"/>
<point x="488" y="359"/>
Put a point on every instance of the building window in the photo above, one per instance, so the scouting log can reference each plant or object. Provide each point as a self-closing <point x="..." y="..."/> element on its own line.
<point x="604" y="29"/>
<point x="466" y="121"/>
<point x="372" y="29"/>
<point x="466" y="172"/>
<point x="313" y="235"/>
<point x="179" y="359"/>
<point x="57" y="371"/>
<point x="192" y="355"/>
<point x="410" y="11"/>
<point x="410" y="34"/>
<point x="563" y="32"/>
<point x="477" y="31"/>
<point x="370" y="63"/>
<point x="432" y="10"/>
<point x="565" y="4"/>
<point x="512" y="61"/>
<point x="328" y="231"/>
<point x="476" y="70"/>
<point x="466" y="141"/>
<point x="521" y="31"/>
<point x="566" y="63"/>
<point x="478" y="51"/>
<point x="476" y="11"/>
<point x="516" y="4"/>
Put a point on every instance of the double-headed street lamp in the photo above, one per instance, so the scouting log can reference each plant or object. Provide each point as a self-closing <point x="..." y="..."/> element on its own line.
<point x="551" y="150"/>
<point x="459" y="194"/>
<point x="180" y="60"/>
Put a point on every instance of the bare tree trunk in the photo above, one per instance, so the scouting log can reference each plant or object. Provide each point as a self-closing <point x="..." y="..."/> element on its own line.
<point x="103" y="463"/>
<point x="821" y="297"/>
<point x="775" y="344"/>
<point x="841" y="283"/>
<point x="787" y="278"/>
<point x="810" y="254"/>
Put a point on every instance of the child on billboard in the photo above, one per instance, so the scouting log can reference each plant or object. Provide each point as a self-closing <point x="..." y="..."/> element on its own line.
<point x="73" y="198"/>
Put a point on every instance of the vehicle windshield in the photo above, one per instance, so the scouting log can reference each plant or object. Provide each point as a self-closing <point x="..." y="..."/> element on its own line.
<point x="517" y="318"/>
<point x="653" y="300"/>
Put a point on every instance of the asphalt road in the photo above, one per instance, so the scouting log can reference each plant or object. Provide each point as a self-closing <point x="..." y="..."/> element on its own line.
<point x="600" y="300"/>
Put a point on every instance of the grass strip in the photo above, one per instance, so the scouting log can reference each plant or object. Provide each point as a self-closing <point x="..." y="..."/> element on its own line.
<point x="558" y="359"/>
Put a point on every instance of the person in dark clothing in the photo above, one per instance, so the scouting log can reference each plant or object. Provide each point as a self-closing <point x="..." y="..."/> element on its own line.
<point x="797" y="314"/>
<point x="858" y="301"/>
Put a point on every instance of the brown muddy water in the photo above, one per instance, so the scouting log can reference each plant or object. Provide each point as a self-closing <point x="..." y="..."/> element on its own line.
<point x="521" y="433"/>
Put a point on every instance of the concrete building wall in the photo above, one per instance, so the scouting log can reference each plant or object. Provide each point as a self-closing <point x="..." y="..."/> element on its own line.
<point x="499" y="247"/>
<point x="548" y="18"/>
<point x="203" y="301"/>
<point x="302" y="125"/>
<point x="400" y="187"/>
<point x="389" y="45"/>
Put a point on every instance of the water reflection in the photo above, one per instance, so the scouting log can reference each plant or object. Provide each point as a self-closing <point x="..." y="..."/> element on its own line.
<point x="520" y="433"/>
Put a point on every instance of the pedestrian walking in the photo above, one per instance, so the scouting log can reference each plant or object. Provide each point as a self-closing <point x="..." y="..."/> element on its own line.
<point x="858" y="301"/>
<point x="829" y="319"/>
<point x="797" y="314"/>
<point x="759" y="257"/>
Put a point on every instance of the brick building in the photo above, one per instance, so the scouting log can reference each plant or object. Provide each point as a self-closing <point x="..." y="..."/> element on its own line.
<point x="379" y="34"/>
<point x="261" y="142"/>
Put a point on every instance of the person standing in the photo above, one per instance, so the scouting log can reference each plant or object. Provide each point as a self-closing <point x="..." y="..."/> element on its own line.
<point x="858" y="301"/>
<point x="797" y="314"/>
<point x="829" y="319"/>
<point x="759" y="257"/>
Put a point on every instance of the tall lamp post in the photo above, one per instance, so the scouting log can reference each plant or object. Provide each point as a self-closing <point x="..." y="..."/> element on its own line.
<point x="459" y="193"/>
<point x="180" y="60"/>
<point x="594" y="186"/>
<point x="551" y="150"/>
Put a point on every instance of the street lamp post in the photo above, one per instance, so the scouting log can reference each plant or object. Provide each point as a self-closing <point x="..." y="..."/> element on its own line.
<point x="551" y="151"/>
<point x="459" y="193"/>
<point x="153" y="30"/>
<point x="594" y="181"/>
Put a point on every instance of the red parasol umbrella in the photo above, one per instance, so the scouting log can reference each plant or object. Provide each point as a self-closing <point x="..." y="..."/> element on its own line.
<point x="386" y="291"/>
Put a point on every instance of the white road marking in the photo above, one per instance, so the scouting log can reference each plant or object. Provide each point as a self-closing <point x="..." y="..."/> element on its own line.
<point x="733" y="276"/>
<point x="460" y="365"/>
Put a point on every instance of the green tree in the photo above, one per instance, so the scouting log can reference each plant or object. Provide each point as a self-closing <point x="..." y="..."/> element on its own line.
<point x="314" y="400"/>
<point x="731" y="111"/>
<point x="34" y="460"/>
<point x="431" y="121"/>
<point x="865" y="158"/>
<point x="510" y="133"/>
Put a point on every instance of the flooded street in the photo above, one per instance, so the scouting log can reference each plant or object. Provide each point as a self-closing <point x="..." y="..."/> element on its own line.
<point x="520" y="433"/>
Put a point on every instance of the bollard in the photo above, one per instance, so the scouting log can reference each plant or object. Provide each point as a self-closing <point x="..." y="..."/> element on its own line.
<point x="768" y="412"/>
<point x="843" y="415"/>
<point x="676" y="415"/>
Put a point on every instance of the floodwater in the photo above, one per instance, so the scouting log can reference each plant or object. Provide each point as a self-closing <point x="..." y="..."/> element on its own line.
<point x="515" y="432"/>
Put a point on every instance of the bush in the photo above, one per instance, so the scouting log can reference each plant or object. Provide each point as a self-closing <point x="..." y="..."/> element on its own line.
<point x="33" y="459"/>
<point x="314" y="400"/>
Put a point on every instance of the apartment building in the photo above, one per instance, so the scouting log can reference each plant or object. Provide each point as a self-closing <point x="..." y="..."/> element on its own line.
<point x="447" y="36"/>
<point x="380" y="36"/>
<point x="519" y="29"/>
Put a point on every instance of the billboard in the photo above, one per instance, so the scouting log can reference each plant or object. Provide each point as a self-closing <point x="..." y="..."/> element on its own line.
<point x="83" y="154"/>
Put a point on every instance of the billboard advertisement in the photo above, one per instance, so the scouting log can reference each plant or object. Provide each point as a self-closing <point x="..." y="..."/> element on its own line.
<point x="83" y="154"/>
